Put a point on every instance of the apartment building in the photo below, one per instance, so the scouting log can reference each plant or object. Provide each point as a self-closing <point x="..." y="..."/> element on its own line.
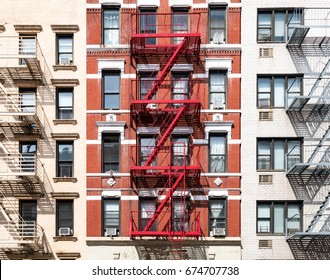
<point x="285" y="129"/>
<point x="163" y="129"/>
<point x="42" y="129"/>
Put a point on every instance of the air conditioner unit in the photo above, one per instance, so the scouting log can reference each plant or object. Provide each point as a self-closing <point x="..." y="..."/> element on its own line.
<point x="110" y="232"/>
<point x="219" y="232"/>
<point x="64" y="231"/>
<point x="151" y="106"/>
<point x="65" y="61"/>
<point x="219" y="104"/>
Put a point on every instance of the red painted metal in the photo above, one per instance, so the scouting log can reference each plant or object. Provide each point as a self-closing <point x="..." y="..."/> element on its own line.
<point x="168" y="114"/>
<point x="164" y="137"/>
<point x="166" y="69"/>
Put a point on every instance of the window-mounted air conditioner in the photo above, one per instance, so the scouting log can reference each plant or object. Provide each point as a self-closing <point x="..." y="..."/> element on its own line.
<point x="65" y="61"/>
<point x="152" y="106"/>
<point x="219" y="104"/>
<point x="110" y="232"/>
<point x="219" y="232"/>
<point x="64" y="231"/>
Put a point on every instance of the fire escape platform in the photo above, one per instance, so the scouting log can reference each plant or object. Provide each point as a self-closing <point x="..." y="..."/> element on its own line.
<point x="158" y="176"/>
<point x="312" y="246"/>
<point x="192" y="234"/>
<point x="322" y="168"/>
<point x="161" y="53"/>
<point x="319" y="104"/>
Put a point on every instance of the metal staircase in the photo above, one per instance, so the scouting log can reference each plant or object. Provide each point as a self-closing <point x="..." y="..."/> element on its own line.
<point x="308" y="165"/>
<point x="158" y="108"/>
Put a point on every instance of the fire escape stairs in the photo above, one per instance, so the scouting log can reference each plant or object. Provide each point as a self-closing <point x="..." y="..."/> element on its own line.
<point x="320" y="144"/>
<point x="323" y="210"/>
<point x="163" y="203"/>
<point x="166" y="69"/>
<point x="164" y="136"/>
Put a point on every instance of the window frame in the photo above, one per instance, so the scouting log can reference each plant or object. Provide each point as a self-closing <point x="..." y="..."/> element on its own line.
<point x="144" y="221"/>
<point x="103" y="216"/>
<point x="272" y="24"/>
<point x="225" y="136"/>
<point x="106" y="137"/>
<point x="58" y="161"/>
<point x="222" y="8"/>
<point x="142" y="148"/>
<point x="272" y="152"/>
<point x="22" y="37"/>
<point x="104" y="29"/>
<point x="271" y="218"/>
<point x="148" y="11"/>
<point x="58" y="53"/>
<point x="272" y="88"/>
<point x="224" y="74"/>
<point x="175" y="12"/>
<point x="105" y="94"/>
<point x="58" y="107"/>
<point x="58" y="223"/>
<point x="211" y="218"/>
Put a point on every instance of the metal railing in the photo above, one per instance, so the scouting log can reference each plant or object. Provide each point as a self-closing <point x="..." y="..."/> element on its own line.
<point x="307" y="224"/>
<point x="308" y="154"/>
<point x="20" y="165"/>
<point x="303" y="18"/>
<point x="165" y="23"/>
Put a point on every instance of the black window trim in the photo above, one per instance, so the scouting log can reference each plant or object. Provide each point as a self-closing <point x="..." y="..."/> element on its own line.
<point x="272" y="203"/>
<point x="272" y="140"/>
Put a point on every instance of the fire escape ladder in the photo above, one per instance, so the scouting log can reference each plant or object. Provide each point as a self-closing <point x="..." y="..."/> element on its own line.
<point x="164" y="137"/>
<point x="166" y="69"/>
<point x="322" y="141"/>
<point x="320" y="221"/>
<point x="161" y="206"/>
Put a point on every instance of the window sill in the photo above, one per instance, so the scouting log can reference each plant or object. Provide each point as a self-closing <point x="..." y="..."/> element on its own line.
<point x="62" y="121"/>
<point x="65" y="67"/>
<point x="65" y="179"/>
<point x="65" y="238"/>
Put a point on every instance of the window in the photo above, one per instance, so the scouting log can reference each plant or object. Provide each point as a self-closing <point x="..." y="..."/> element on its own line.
<point x="217" y="24"/>
<point x="272" y="90"/>
<point x="217" y="153"/>
<point x="27" y="46"/>
<point x="181" y="214"/>
<point x="272" y="24"/>
<point x="147" y="80"/>
<point x="111" y="222"/>
<point x="64" y="103"/>
<point x="28" y="217"/>
<point x="218" y="214"/>
<point x="64" y="217"/>
<point x="180" y="22"/>
<point x="65" y="49"/>
<point x="147" y="145"/>
<point x="217" y="89"/>
<point x="148" y="209"/>
<point x="111" y="26"/>
<point x="148" y="24"/>
<point x="271" y="153"/>
<point x="180" y="150"/>
<point x="111" y="90"/>
<point x="180" y="86"/>
<point x="64" y="159"/>
<point x="28" y="151"/>
<point x="110" y="152"/>
<point x="271" y="216"/>
<point x="27" y="100"/>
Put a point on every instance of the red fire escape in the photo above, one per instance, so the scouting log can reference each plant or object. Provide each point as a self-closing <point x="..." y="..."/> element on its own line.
<point x="167" y="167"/>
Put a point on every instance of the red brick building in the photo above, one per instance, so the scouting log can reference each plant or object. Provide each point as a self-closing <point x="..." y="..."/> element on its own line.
<point x="163" y="129"/>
